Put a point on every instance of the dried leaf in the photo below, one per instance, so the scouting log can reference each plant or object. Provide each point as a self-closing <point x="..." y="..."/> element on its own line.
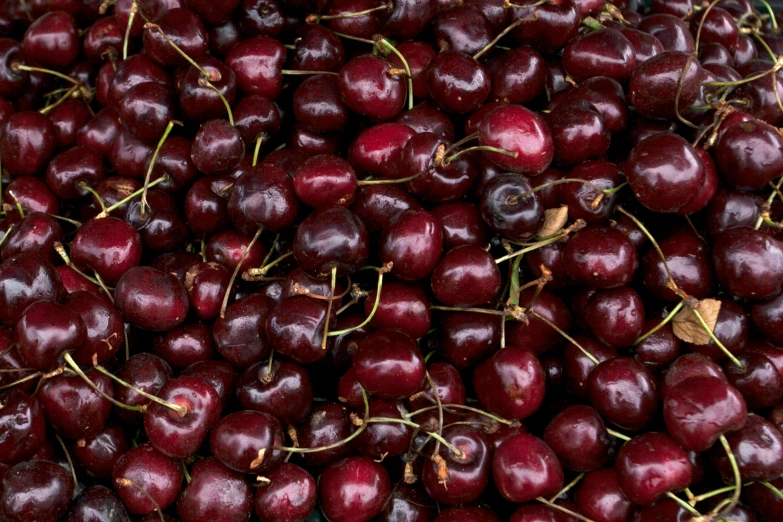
<point x="687" y="326"/>
<point x="554" y="221"/>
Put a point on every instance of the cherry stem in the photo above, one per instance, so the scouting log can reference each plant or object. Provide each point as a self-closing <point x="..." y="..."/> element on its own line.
<point x="262" y="271"/>
<point x="593" y="186"/>
<point x="539" y="283"/>
<point x="227" y="295"/>
<point x="313" y="18"/>
<point x="567" y="488"/>
<point x="592" y="24"/>
<point x="438" y="438"/>
<point x="440" y="411"/>
<point x="144" y="204"/>
<point x="70" y="464"/>
<point x="181" y="410"/>
<point x="206" y="83"/>
<point x="535" y="246"/>
<point x="18" y="204"/>
<point x="73" y="222"/>
<point x="769" y="201"/>
<point x="772" y="488"/>
<point x="215" y="77"/>
<point x="752" y="78"/>
<point x="261" y="138"/>
<point x="102" y="285"/>
<point x="60" y="100"/>
<point x="701" y="25"/>
<point x="84" y="186"/>
<point x="385" y="268"/>
<point x="663" y="323"/>
<point x="469" y="309"/>
<point x="467" y="408"/>
<point x="123" y="482"/>
<point x="185" y="472"/>
<point x="22" y="380"/>
<point x="618" y="435"/>
<point x="108" y="210"/>
<point x="60" y="249"/>
<point x="565" y="335"/>
<point x="7" y="233"/>
<point x="560" y="508"/>
<point x="486" y="148"/>
<point x="771" y="12"/>
<point x="354" y="38"/>
<point x="737" y="479"/>
<point x="131" y="16"/>
<point x="705" y="496"/>
<point x="503" y="33"/>
<point x="382" y="44"/>
<point x="716" y="341"/>
<point x="680" y="85"/>
<point x="391" y="181"/>
<point x="690" y="509"/>
<point x="329" y="308"/>
<point x="461" y="142"/>
<point x="75" y="367"/>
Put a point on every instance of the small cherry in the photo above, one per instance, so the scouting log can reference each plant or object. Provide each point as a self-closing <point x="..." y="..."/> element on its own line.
<point x="151" y="299"/>
<point x="283" y="390"/>
<point x="355" y="488"/>
<point x="147" y="480"/>
<point x="389" y="365"/>
<point x="524" y="468"/>
<point x="289" y="494"/>
<point x="214" y="490"/>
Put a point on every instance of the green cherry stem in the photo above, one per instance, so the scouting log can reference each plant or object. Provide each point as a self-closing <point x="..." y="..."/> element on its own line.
<point x="663" y="323"/>
<point x="144" y="205"/>
<point x="108" y="210"/>
<point x="227" y="295"/>
<point x="384" y="269"/>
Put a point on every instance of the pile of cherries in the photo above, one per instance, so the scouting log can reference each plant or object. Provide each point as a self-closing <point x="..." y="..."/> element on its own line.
<point x="391" y="261"/>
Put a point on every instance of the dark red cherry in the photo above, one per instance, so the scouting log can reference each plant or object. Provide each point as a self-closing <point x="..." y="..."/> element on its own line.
<point x="388" y="364"/>
<point x="522" y="133"/>
<point x="757" y="448"/>
<point x="185" y="345"/>
<point x="413" y="243"/>
<point x="580" y="197"/>
<point x="378" y="151"/>
<point x="325" y="180"/>
<point x="467" y="514"/>
<point x="25" y="279"/>
<point x="447" y="182"/>
<point x="100" y="132"/>
<point x="462" y="28"/>
<point x="605" y="52"/>
<point x="716" y="26"/>
<point x="407" y="503"/>
<point x="615" y="316"/>
<point x="578" y="437"/>
<point x="768" y="317"/>
<point x="27" y="143"/>
<point x="68" y="118"/>
<point x="748" y="263"/>
<point x="509" y="208"/>
<point x="95" y="504"/>
<point x="264" y="196"/>
<point x="457" y="83"/>
<point x="654" y="84"/>
<point x="518" y="76"/>
<point x="317" y="49"/>
<point x="362" y="26"/>
<point x="659" y="349"/>
<point x="687" y="366"/>
<point x="36" y="490"/>
<point x="466" y="276"/>
<point x="369" y="86"/>
<point x="327" y="425"/>
<point x="687" y="260"/>
<point x="73" y="408"/>
<point x="418" y="55"/>
<point x="198" y="101"/>
<point x="260" y="17"/>
<point x="129" y="155"/>
<point x="462" y="224"/>
<point x="177" y="263"/>
<point x="11" y="81"/>
<point x="207" y="284"/>
<point x="758" y="380"/>
<point x="33" y="194"/>
<point x="109" y="247"/>
<point x="600" y="498"/>
<point x="379" y="205"/>
<point x="600" y="257"/>
<point x="217" y="147"/>
<point x="104" y="38"/>
<point x="134" y="70"/>
<point x="23" y="426"/>
<point x="162" y="229"/>
<point x="713" y="53"/>
<point x="206" y="211"/>
<point x="466" y="474"/>
<point x="52" y="40"/>
<point x="239" y="334"/>
<point x="739" y="153"/>
<point x="146" y="110"/>
<point x="47" y="330"/>
<point x="68" y="170"/>
<point x="578" y="132"/>
<point x="384" y="438"/>
<point x="312" y="143"/>
<point x="700" y="409"/>
<point x="331" y="239"/>
<point x="145" y="372"/>
<point x="285" y="392"/>
<point x="218" y="374"/>
<point x="670" y="30"/>
<point x="651" y="465"/>
<point x="179" y="434"/>
<point x="257" y="64"/>
<point x="317" y="104"/>
<point x="214" y="490"/>
<point x="295" y="328"/>
<point x="624" y="392"/>
<point x="403" y="306"/>
<point x="763" y="500"/>
<point x="425" y="117"/>
<point x="547" y="27"/>
<point x="151" y="299"/>
<point x="97" y="455"/>
<point x="535" y="334"/>
<point x="290" y="494"/>
<point x="255" y="117"/>
<point x="524" y="467"/>
<point x="510" y="383"/>
<point x="35" y="234"/>
<point x="182" y="27"/>
<point x="156" y="479"/>
<point x="468" y="338"/>
<point x="355" y="488"/>
<point x="577" y="366"/>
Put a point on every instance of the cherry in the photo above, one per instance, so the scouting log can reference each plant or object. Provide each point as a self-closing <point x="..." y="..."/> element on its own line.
<point x="401" y="305"/>
<point x="200" y="102"/>
<point x="317" y="48"/>
<point x="413" y="243"/>
<point x="462" y="477"/>
<point x="206" y="212"/>
<point x="577" y="366"/>
<point x="767" y="316"/>
<point x="605" y="52"/>
<point x="624" y="392"/>
<point x="45" y="331"/>
<point x="700" y="409"/>
<point x="132" y="71"/>
<point x="521" y="380"/>
<point x="509" y="208"/>
<point x="518" y="76"/>
<point x="355" y="488"/>
<point x="73" y="408"/>
<point x="578" y="437"/>
<point x="394" y="371"/>
<point x="68" y="170"/>
<point x="145" y="372"/>
<point x="713" y="53"/>
<point x="52" y="40"/>
<point x="449" y="181"/>
<point x="409" y="504"/>
<point x="524" y="467"/>
<point x="100" y="132"/>
<point x="670" y="30"/>
<point x="600" y="257"/>
<point x="206" y="284"/>
<point x="263" y="196"/>
<point x="757" y="448"/>
<point x="425" y="117"/>
<point x="97" y="503"/>
<point x="184" y="29"/>
<point x="665" y="509"/>
<point x="332" y="240"/>
<point x="229" y="246"/>
<point x="741" y="169"/>
<point x="28" y="142"/>
<point x="256" y="117"/>
<point x="68" y="118"/>
<point x="748" y="263"/>
<point x="312" y="143"/>
<point x="687" y="260"/>
<point x="520" y="132"/>
<point x="327" y="425"/>
<point x="369" y="86"/>
<point x="547" y="26"/>
<point x="758" y="381"/>
<point x="239" y="334"/>
<point x="146" y="110"/>
<point x="285" y="392"/>
<point x="98" y="454"/>
<point x="418" y="56"/>
<point x="146" y="480"/>
<point x="600" y="498"/>
<point x="11" y="81"/>
<point x="659" y="349"/>
<point x="468" y="338"/>
<point x="176" y="263"/>
<point x="214" y="490"/>
<point x="580" y="197"/>
<point x="380" y="205"/>
<point x="318" y="106"/>
<point x="256" y="63"/>
<point x="535" y="334"/>
<point x="25" y="279"/>
<point x="35" y="234"/>
<point x="378" y="151"/>
<point x="295" y="328"/>
<point x="615" y="316"/>
<point x="344" y="20"/>
<point x="654" y="83"/>
<point x="717" y="26"/>
<point x="151" y="299"/>
<point x="457" y="83"/>
<point x="23" y="426"/>
<point x="462" y="224"/>
<point x="466" y="265"/>
<point x="467" y="514"/>
<point x="290" y="494"/>
<point x="462" y="28"/>
<point x="180" y="433"/>
<point x="33" y="194"/>
<point x="185" y="345"/>
<point x="217" y="147"/>
<point x="109" y="247"/>
<point x="36" y="490"/>
<point x="380" y="439"/>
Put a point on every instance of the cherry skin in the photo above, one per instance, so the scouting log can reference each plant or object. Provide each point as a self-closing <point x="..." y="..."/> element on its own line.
<point x="462" y="224"/>
<point x="239" y="334"/>
<point x="368" y="86"/>
<point x="290" y="494"/>
<point x="36" y="490"/>
<point x="134" y="70"/>
<point x="742" y="169"/>
<point x="521" y="380"/>
<point x="467" y="514"/>
<point x="578" y="437"/>
<point x="457" y="83"/>
<point x="759" y="381"/>
<point x="98" y="454"/>
<point x="409" y="504"/>
<point x="206" y="284"/>
<point x="577" y="366"/>
<point x="600" y="498"/>
<point x="228" y="247"/>
<point x="318" y="106"/>
<point x="509" y="208"/>
<point x="389" y="365"/>
<point x="153" y="474"/>
<point x="68" y="118"/>
<point x="295" y="328"/>
<point x="659" y="349"/>
<point x="327" y="425"/>
<point x="524" y="468"/>
<point x="355" y="488"/>
<point x="600" y="257"/>
<point x="35" y="234"/>
<point x="331" y="240"/>
<point x="468" y="338"/>
<point x="757" y="448"/>
<point x="285" y="393"/>
<point x="214" y="491"/>
<point x="145" y="372"/>
<point x="317" y="49"/>
<point x="185" y="29"/>
<point x="654" y="83"/>
<point x="206" y="212"/>
<point x="25" y="279"/>
<point x="466" y="276"/>
<point x="688" y="260"/>
<point x="518" y="76"/>
<point x="605" y="52"/>
<point x="33" y="194"/>
<point x="467" y="473"/>
<point x="624" y="392"/>
<point x="28" y="135"/>
<point x="517" y="130"/>
<point x="109" y="247"/>
<point x="649" y="466"/>
<point x="700" y="409"/>
<point x="185" y="345"/>
<point x="176" y="434"/>
<point x="538" y="336"/>
<point x="73" y="408"/>
<point x="552" y="25"/>
<point x="748" y="263"/>
<point x="413" y="243"/>
<point x="97" y="503"/>
<point x="47" y="330"/>
<point x="151" y="299"/>
<point x="217" y="147"/>
<point x="403" y="306"/>
<point x="23" y="425"/>
<point x="378" y="151"/>
<point x="687" y="366"/>
<point x="580" y="197"/>
<point x="768" y="318"/>
<point x="263" y="196"/>
<point x="52" y="40"/>
<point x="384" y="438"/>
